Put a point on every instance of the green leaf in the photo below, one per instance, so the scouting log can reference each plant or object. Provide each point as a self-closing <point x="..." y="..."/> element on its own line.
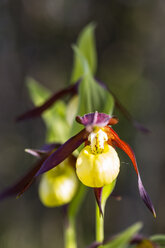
<point x="123" y="239"/>
<point x="38" y="93"/>
<point x="158" y="239"/>
<point x="92" y="97"/>
<point x="55" y="117"/>
<point x="86" y="45"/>
<point x="107" y="190"/>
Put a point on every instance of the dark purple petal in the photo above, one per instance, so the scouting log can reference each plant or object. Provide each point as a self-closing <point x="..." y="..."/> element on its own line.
<point x="63" y="151"/>
<point x="23" y="184"/>
<point x="96" y="119"/>
<point x="98" y="195"/>
<point x="46" y="149"/>
<point x="145" y="197"/>
<point x="95" y="244"/>
<point x="125" y="112"/>
<point x="37" y="111"/>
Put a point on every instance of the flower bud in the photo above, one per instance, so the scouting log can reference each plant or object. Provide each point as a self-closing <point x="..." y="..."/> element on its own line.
<point x="58" y="186"/>
<point x="97" y="170"/>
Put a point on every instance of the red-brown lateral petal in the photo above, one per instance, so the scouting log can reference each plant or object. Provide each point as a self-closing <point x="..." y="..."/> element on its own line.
<point x="116" y="141"/>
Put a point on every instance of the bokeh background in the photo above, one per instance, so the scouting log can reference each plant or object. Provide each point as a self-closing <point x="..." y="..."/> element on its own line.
<point x="35" y="40"/>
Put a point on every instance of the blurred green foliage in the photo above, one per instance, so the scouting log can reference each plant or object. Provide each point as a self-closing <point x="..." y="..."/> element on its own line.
<point x="55" y="117"/>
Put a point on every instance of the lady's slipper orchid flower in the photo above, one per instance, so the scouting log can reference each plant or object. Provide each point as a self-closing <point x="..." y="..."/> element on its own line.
<point x="98" y="163"/>
<point x="92" y="122"/>
<point x="59" y="185"/>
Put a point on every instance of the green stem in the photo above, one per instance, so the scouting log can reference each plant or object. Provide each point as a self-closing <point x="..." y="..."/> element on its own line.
<point x="107" y="190"/>
<point x="72" y="211"/>
<point x="100" y="223"/>
<point x="70" y="235"/>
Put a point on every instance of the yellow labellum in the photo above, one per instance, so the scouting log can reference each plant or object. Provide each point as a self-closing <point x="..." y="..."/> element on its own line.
<point x="58" y="186"/>
<point x="97" y="170"/>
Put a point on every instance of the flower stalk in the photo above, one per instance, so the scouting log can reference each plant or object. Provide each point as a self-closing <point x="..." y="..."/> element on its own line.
<point x="102" y="195"/>
<point x="72" y="211"/>
<point x="70" y="234"/>
<point x="100" y="223"/>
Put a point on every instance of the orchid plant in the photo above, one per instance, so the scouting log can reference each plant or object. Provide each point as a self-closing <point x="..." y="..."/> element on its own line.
<point x="80" y="145"/>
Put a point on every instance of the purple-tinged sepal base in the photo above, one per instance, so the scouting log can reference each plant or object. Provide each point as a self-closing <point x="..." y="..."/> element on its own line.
<point x="98" y="196"/>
